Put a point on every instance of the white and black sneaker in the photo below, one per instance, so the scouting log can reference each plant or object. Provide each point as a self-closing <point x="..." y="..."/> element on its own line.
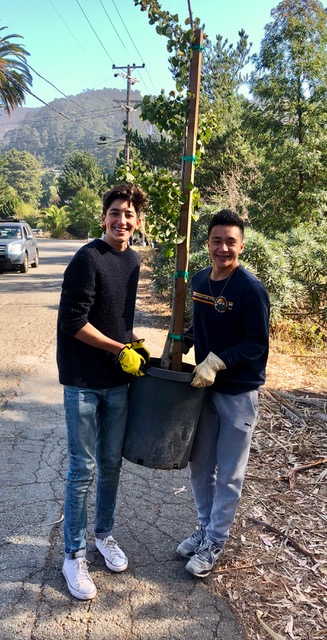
<point x="204" y="560"/>
<point x="114" y="557"/>
<point x="189" y="546"/>
<point x="79" y="581"/>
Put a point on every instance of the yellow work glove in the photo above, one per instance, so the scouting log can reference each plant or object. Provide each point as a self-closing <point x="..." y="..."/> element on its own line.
<point x="131" y="361"/>
<point x="139" y="347"/>
<point x="205" y="372"/>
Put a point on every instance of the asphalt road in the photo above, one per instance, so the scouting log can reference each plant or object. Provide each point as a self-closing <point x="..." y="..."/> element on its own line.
<point x="155" y="598"/>
<point x="28" y="308"/>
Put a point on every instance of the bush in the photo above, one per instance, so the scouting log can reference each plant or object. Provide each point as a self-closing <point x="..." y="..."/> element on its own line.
<point x="268" y="260"/>
<point x="307" y="254"/>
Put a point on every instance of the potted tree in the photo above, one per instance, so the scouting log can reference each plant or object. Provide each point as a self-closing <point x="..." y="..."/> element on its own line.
<point x="164" y="408"/>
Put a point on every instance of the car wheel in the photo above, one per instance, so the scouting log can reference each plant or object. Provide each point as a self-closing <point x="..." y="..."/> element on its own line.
<point x="24" y="266"/>
<point x="35" y="264"/>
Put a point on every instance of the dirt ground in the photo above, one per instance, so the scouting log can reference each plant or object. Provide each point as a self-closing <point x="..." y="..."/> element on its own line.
<point x="274" y="568"/>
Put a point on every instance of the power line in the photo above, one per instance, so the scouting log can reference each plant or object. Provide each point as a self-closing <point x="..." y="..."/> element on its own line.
<point x="44" y="121"/>
<point x="80" y="106"/>
<point x="79" y="5"/>
<point x="79" y="44"/>
<point x="64" y="115"/>
<point x="113" y="26"/>
<point x="136" y="49"/>
<point x="76" y="40"/>
<point x="94" y="31"/>
<point x="80" y="145"/>
<point x="50" y="106"/>
<point x="118" y="35"/>
<point x="67" y="27"/>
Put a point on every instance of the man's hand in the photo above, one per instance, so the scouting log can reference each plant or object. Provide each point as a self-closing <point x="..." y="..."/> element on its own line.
<point x="205" y="372"/>
<point x="140" y="348"/>
<point x="131" y="361"/>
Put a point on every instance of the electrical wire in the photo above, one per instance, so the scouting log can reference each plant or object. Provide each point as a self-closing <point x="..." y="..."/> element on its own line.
<point x="122" y="42"/>
<point x="27" y="90"/>
<point x="94" y="31"/>
<point x="81" y="145"/>
<point x="63" y="115"/>
<point x="113" y="26"/>
<point x="80" y="106"/>
<point x="135" y="47"/>
<point x="117" y="33"/>
<point x="60" y="114"/>
<point x="70" y="31"/>
<point x="44" y="121"/>
<point x="79" y="44"/>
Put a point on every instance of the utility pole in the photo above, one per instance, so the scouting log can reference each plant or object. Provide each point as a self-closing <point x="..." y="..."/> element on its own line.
<point x="130" y="82"/>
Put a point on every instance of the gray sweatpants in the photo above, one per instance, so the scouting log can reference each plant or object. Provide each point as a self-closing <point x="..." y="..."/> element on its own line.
<point x="219" y="459"/>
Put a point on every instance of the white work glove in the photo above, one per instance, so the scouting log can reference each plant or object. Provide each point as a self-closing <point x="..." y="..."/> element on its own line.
<point x="205" y="372"/>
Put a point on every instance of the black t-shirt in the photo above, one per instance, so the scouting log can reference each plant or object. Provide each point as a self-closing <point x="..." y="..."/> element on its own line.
<point x="99" y="287"/>
<point x="237" y="332"/>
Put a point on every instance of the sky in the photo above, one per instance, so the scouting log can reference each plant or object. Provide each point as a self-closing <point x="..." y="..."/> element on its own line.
<point x="73" y="44"/>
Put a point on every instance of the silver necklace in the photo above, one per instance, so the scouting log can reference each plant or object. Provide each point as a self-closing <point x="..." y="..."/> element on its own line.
<point x="220" y="303"/>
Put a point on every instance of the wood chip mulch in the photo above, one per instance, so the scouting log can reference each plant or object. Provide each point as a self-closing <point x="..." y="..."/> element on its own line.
<point x="274" y="568"/>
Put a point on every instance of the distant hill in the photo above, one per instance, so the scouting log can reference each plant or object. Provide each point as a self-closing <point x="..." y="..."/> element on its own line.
<point x="8" y="123"/>
<point x="75" y="123"/>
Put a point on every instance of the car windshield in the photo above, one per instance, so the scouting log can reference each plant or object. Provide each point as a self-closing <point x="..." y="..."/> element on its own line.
<point x="10" y="232"/>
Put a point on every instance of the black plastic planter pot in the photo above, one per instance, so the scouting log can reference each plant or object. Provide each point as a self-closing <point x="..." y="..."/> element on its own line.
<point x="163" y="414"/>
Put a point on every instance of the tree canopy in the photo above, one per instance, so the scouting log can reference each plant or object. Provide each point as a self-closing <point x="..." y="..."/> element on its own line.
<point x="288" y="115"/>
<point x="22" y="171"/>
<point x="81" y="170"/>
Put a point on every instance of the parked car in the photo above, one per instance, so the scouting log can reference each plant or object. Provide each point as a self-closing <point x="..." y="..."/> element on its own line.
<point x="18" y="246"/>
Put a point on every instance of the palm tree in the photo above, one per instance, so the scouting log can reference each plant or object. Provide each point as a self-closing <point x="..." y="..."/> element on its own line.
<point x="55" y="220"/>
<point x="15" y="77"/>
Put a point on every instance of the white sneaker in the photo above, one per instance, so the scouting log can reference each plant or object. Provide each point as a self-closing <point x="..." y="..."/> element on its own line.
<point x="79" y="581"/>
<point x="114" y="557"/>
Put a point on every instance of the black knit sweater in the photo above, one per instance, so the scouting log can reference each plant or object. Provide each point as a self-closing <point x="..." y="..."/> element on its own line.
<point x="238" y="334"/>
<point x="99" y="287"/>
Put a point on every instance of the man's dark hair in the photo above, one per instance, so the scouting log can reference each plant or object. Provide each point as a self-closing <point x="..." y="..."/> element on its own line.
<point x="226" y="217"/>
<point x="128" y="192"/>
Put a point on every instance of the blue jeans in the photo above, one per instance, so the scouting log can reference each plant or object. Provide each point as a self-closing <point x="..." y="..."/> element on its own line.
<point x="96" y="423"/>
<point x="219" y="459"/>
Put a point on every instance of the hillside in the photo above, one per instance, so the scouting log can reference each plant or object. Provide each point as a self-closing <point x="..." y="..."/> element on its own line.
<point x="9" y="123"/>
<point x="52" y="132"/>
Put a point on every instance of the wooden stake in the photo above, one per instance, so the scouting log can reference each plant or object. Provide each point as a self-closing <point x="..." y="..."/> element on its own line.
<point x="183" y="249"/>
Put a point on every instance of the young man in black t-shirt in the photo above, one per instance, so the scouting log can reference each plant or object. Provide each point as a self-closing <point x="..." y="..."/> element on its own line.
<point x="96" y="353"/>
<point x="230" y="336"/>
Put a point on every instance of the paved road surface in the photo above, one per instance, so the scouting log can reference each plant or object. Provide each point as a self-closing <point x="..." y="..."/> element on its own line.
<point x="155" y="598"/>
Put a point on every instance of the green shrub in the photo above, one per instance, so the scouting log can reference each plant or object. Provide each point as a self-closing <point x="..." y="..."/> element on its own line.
<point x="307" y="254"/>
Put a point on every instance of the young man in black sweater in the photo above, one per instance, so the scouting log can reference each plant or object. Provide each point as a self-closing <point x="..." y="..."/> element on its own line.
<point x="96" y="353"/>
<point x="230" y="336"/>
